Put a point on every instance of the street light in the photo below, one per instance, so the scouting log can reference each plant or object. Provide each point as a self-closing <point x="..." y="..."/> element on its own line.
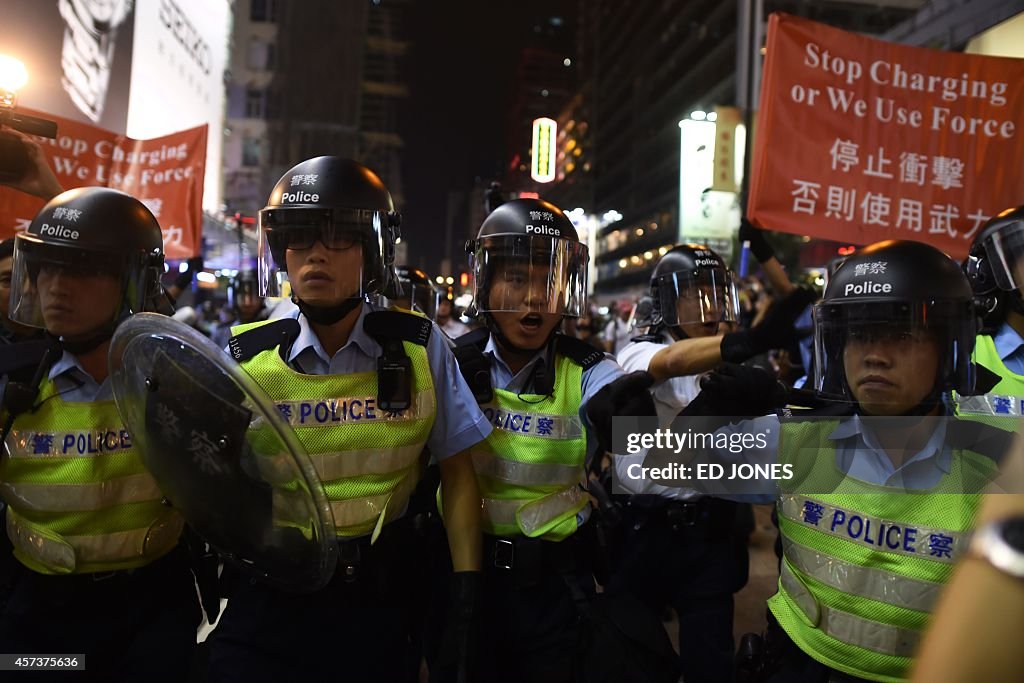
<point x="14" y="157"/>
<point x="13" y="76"/>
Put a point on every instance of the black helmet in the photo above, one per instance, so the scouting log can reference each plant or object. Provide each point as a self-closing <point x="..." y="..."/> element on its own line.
<point x="696" y="275"/>
<point x="90" y="230"/>
<point x="418" y="292"/>
<point x="327" y="199"/>
<point x="890" y="289"/>
<point x="995" y="267"/>
<point x="243" y="288"/>
<point x="529" y="241"/>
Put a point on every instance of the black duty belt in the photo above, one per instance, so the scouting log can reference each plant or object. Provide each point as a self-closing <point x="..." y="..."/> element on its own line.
<point x="528" y="559"/>
<point x="704" y="515"/>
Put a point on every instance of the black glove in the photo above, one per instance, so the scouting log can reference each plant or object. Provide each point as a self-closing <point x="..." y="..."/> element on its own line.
<point x="194" y="265"/>
<point x="758" y="243"/>
<point x="740" y="391"/>
<point x="626" y="396"/>
<point x="776" y="331"/>
<point x="458" y="659"/>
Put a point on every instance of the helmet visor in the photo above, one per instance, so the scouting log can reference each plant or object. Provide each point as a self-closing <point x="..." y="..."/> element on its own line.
<point x="339" y="234"/>
<point x="528" y="273"/>
<point x="891" y="353"/>
<point x="419" y="298"/>
<point x="704" y="296"/>
<point x="244" y="294"/>
<point x="1005" y="251"/>
<point x="47" y="283"/>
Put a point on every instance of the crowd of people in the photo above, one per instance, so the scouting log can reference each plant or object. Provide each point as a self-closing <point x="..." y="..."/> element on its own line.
<point x="428" y="498"/>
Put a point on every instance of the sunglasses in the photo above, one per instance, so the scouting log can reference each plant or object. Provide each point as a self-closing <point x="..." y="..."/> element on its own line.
<point x="298" y="238"/>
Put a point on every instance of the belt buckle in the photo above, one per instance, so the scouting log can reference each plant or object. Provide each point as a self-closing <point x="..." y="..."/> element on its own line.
<point x="349" y="559"/>
<point x="504" y="554"/>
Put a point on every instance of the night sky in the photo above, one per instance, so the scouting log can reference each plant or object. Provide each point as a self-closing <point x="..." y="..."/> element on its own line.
<point x="461" y="72"/>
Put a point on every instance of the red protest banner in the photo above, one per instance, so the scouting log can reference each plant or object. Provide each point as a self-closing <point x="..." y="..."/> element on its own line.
<point x="861" y="140"/>
<point x="165" y="173"/>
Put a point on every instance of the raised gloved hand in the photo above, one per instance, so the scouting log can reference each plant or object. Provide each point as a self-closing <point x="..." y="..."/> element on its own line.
<point x="626" y="396"/>
<point x="458" y="659"/>
<point x="740" y="391"/>
<point x="776" y="331"/>
<point x="758" y="243"/>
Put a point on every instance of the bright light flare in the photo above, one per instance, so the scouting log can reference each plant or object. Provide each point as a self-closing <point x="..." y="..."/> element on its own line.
<point x="13" y="74"/>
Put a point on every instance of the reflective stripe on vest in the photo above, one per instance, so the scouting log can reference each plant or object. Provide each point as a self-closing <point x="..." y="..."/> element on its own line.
<point x="846" y="627"/>
<point x="136" y="488"/>
<point x="525" y="473"/>
<point x="334" y="411"/>
<point x="80" y="498"/>
<point x="529" y="468"/>
<point x="940" y="545"/>
<point x="367" y="459"/>
<point x="1006" y="398"/>
<point x="865" y="582"/>
<point x="66" y="554"/>
<point x="557" y="427"/>
<point x="350" y="513"/>
<point x="531" y="514"/>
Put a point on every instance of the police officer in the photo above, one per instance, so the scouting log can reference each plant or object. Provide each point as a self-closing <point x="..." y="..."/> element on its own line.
<point x="539" y="389"/>
<point x="418" y="292"/>
<point x="330" y="227"/>
<point x="102" y="571"/>
<point x="10" y="332"/>
<point x="682" y="550"/>
<point x="245" y="304"/>
<point x="882" y="490"/>
<point x="995" y="269"/>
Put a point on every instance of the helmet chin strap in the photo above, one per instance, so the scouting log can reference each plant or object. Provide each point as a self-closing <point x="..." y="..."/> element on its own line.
<point x="89" y="343"/>
<point x="925" y="407"/>
<point x="327" y="315"/>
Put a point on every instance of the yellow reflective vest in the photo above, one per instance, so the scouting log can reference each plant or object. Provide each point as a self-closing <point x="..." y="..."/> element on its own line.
<point x="863" y="564"/>
<point x="79" y="498"/>
<point x="531" y="466"/>
<point x="368" y="459"/>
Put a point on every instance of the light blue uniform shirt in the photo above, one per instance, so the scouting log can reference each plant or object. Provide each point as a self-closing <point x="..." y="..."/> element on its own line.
<point x="459" y="423"/>
<point x="1010" y="347"/>
<point x="73" y="383"/>
<point x="857" y="453"/>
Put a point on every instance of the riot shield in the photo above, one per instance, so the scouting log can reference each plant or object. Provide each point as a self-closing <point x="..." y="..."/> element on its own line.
<point x="221" y="453"/>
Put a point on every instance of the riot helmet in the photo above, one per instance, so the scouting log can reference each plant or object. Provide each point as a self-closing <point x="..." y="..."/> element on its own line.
<point x="244" y="296"/>
<point x="86" y="232"/>
<point x="338" y="204"/>
<point x="995" y="266"/>
<point x="528" y="257"/>
<point x="418" y="292"/>
<point x="899" y="293"/>
<point x="691" y="286"/>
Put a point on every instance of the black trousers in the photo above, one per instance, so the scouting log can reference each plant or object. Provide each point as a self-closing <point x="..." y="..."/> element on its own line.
<point x="787" y="663"/>
<point x="693" y="562"/>
<point x="138" y="626"/>
<point x="531" y="624"/>
<point x="354" y="629"/>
